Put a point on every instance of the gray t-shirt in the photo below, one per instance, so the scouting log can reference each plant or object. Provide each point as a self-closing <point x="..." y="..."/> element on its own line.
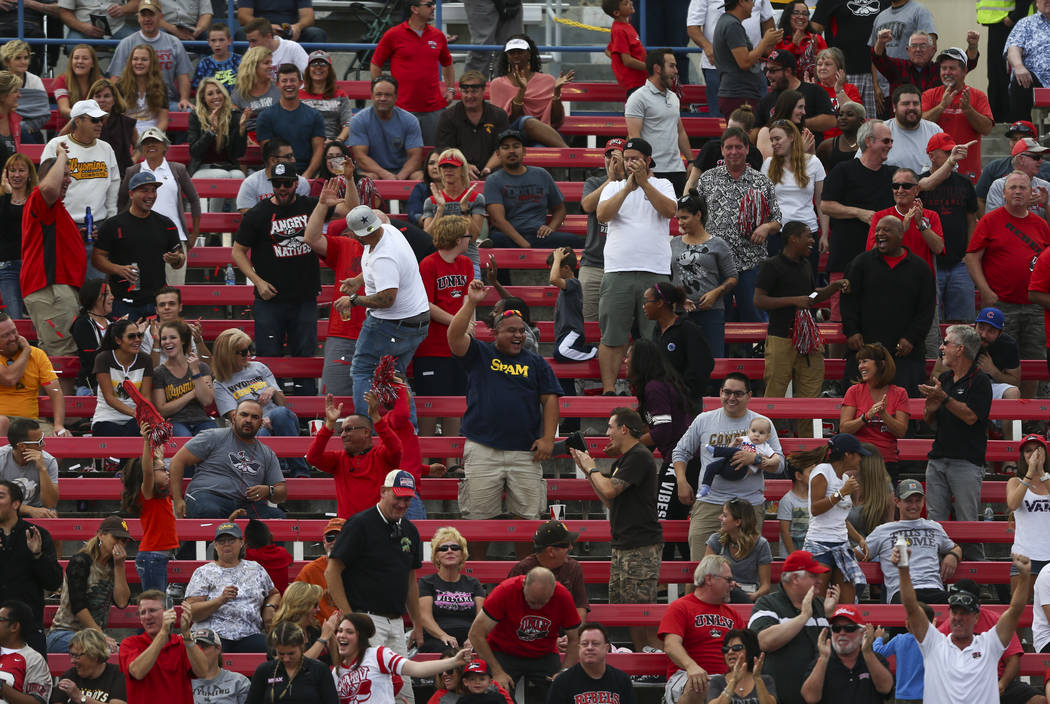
<point x="476" y="206"/>
<point x="745" y="570"/>
<point x="27" y="477"/>
<point x="526" y="198"/>
<point x="927" y="541"/>
<point x="177" y="387"/>
<point x="171" y="55"/>
<point x="903" y="21"/>
<point x="660" y="113"/>
<point x="735" y="82"/>
<point x="594" y="243"/>
<point x="794" y="509"/>
<point x="229" y="465"/>
<point x="251" y="381"/>
<point x="699" y="268"/>
<point x="568" y="310"/>
<point x="257" y="103"/>
<point x="909" y="146"/>
<point x="225" y="688"/>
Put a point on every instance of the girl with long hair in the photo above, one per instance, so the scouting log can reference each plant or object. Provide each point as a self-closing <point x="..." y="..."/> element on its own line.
<point x="34" y="107"/>
<point x="790" y="106"/>
<point x="319" y="91"/>
<point x="16" y="183"/>
<point x="142" y="86"/>
<point x="120" y="358"/>
<point x="798" y="180"/>
<point x="291" y="677"/>
<point x="300" y="605"/>
<point x="89" y="328"/>
<point x="874" y="502"/>
<point x="82" y="71"/>
<point x="217" y="136"/>
<point x="454" y="195"/>
<point x="10" y="122"/>
<point x="146" y="494"/>
<point x="739" y="541"/>
<point x="255" y="89"/>
<point x="182" y="387"/>
<point x="800" y="39"/>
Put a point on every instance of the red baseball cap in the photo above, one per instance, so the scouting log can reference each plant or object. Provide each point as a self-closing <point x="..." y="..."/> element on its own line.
<point x="476" y="667"/>
<point x="450" y="160"/>
<point x="1022" y="127"/>
<point x="803" y="560"/>
<point x="1033" y="437"/>
<point x="848" y="612"/>
<point x="1029" y="145"/>
<point x="615" y="143"/>
<point x="941" y="140"/>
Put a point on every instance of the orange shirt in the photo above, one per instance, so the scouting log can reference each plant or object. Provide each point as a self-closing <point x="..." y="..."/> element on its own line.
<point x="313" y="573"/>
<point x="158" y="523"/>
<point x="22" y="398"/>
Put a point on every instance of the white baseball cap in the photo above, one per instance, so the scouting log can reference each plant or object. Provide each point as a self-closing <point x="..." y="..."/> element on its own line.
<point x="362" y="221"/>
<point x="87" y="107"/>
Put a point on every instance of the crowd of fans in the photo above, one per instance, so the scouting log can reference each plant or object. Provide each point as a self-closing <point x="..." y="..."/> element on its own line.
<point x="850" y="132"/>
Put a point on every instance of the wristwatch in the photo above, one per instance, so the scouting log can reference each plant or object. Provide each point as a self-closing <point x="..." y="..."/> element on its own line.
<point x="270" y="487"/>
<point x="592" y="470"/>
<point x="837" y="495"/>
<point x="353" y="299"/>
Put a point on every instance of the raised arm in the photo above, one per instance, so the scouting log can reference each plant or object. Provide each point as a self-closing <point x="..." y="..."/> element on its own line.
<point x="458" y="330"/>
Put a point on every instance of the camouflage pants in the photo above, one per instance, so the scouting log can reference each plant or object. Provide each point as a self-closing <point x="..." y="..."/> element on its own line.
<point x="633" y="574"/>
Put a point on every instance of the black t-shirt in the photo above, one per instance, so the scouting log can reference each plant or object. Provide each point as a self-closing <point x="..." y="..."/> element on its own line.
<point x="476" y="141"/>
<point x="710" y="156"/>
<point x="632" y="515"/>
<point x="107" y="686"/>
<point x="11" y="236"/>
<point x="854" y="184"/>
<point x="783" y="276"/>
<point x="817" y="103"/>
<point x="143" y="241"/>
<point x="454" y="606"/>
<point x="854" y="685"/>
<point x="847" y="25"/>
<point x="955" y="439"/>
<point x="685" y="347"/>
<point x="378" y="557"/>
<point x="313" y="684"/>
<point x="575" y="686"/>
<point x="953" y="200"/>
<point x="1004" y="352"/>
<point x="280" y="255"/>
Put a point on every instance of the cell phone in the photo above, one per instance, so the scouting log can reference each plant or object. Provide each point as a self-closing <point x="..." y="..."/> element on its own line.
<point x="176" y="248"/>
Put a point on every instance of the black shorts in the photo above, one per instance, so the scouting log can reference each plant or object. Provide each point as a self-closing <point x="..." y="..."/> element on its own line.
<point x="1017" y="692"/>
<point x="438" y="376"/>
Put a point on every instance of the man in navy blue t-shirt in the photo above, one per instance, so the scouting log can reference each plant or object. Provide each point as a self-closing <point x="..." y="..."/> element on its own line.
<point x="511" y="418"/>
<point x="295" y="122"/>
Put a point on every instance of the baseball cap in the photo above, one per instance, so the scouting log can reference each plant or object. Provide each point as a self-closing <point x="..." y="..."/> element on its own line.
<point x="963" y="600"/>
<point x="476" y="667"/>
<point x="992" y="316"/>
<point x="848" y="612"/>
<point x="941" y="140"/>
<point x="228" y="528"/>
<point x="614" y="144"/>
<point x="400" y="482"/>
<point x="1022" y="127"/>
<point x="803" y="560"/>
<point x="284" y="172"/>
<point x="1027" y="144"/>
<point x="153" y="133"/>
<point x="334" y="525"/>
<point x="151" y="5"/>
<point x="87" y="107"/>
<point x="319" y="55"/>
<point x="115" y="526"/>
<point x="517" y="44"/>
<point x="1033" y="437"/>
<point x="639" y="145"/>
<point x="450" y="160"/>
<point x="844" y="442"/>
<point x="206" y="636"/>
<point x="142" y="178"/>
<point x="509" y="134"/>
<point x="362" y="221"/>
<point x="909" y="487"/>
<point x="553" y="533"/>
<point x="953" y="52"/>
<point x="782" y="57"/>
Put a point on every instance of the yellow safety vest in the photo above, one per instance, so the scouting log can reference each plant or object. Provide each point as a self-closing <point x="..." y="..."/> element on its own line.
<point x="993" y="11"/>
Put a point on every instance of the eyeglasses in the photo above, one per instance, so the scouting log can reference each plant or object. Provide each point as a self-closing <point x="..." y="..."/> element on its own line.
<point x="729" y="580"/>
<point x="947" y="342"/>
<point x="888" y="140"/>
<point x="72" y="655"/>
<point x="734" y="648"/>
<point x="470" y="87"/>
<point x="902" y="186"/>
<point x="133" y="336"/>
<point x="845" y="628"/>
<point x="450" y="548"/>
<point x="38" y="443"/>
<point x="734" y="394"/>
<point x="283" y="184"/>
<point x="800" y="13"/>
<point x="95" y="120"/>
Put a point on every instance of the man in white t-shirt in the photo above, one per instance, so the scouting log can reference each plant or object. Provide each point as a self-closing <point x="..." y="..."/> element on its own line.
<point x="962" y="666"/>
<point x="398" y="308"/>
<point x="638" y="212"/>
<point x="910" y="132"/>
<point x="259" y="32"/>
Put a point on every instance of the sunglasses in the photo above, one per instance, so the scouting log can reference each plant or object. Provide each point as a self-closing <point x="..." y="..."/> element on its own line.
<point x="448" y="548"/>
<point x="511" y="312"/>
<point x="902" y="186"/>
<point x="36" y="443"/>
<point x="329" y="537"/>
<point x="845" y="628"/>
<point x="734" y="394"/>
<point x="95" y="120"/>
<point x="133" y="336"/>
<point x="468" y="87"/>
<point x="355" y="427"/>
<point x="734" y="648"/>
<point x="246" y="352"/>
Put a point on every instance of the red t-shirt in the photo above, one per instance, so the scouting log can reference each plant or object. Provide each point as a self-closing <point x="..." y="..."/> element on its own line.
<point x="525" y="632"/>
<point x="446" y="284"/>
<point x="1040" y="281"/>
<point x="14" y="665"/>
<point x="624" y="40"/>
<point x="1011" y="246"/>
<point x="168" y="680"/>
<point x="414" y="63"/>
<point x="913" y="239"/>
<point x="344" y="258"/>
<point x="702" y="627"/>
<point x="858" y="396"/>
<point x="45" y="233"/>
<point x="158" y="523"/>
<point x="954" y="122"/>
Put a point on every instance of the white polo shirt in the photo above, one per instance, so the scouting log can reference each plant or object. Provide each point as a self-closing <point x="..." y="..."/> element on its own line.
<point x="967" y="675"/>
<point x="391" y="264"/>
<point x="639" y="238"/>
<point x="167" y="202"/>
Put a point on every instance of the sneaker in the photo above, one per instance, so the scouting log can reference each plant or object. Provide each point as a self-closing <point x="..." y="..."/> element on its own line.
<point x="650" y="649"/>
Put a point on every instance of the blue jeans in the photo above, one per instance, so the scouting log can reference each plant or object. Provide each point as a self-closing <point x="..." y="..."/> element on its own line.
<point x="188" y="430"/>
<point x="58" y="640"/>
<point x="126" y="30"/>
<point x="255" y="643"/>
<point x="957" y="290"/>
<point x="207" y="504"/>
<point x="713" y="324"/>
<point x="416" y="510"/>
<point x="711" y="80"/>
<point x="287" y="327"/>
<point x="286" y="423"/>
<point x="551" y="241"/>
<point x="10" y="288"/>
<point x="152" y="566"/>
<point x="378" y="339"/>
<point x="743" y="296"/>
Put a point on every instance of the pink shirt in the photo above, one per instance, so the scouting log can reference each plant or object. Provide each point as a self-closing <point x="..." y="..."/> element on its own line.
<point x="539" y="95"/>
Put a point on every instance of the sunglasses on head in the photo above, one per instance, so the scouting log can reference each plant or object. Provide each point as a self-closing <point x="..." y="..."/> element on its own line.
<point x="511" y="312"/>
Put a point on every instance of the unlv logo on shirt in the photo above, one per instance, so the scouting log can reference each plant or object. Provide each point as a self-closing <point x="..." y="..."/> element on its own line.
<point x="534" y="628"/>
<point x="354" y="685"/>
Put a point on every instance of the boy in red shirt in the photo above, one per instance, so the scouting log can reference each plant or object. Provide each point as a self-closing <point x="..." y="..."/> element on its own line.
<point x="625" y="47"/>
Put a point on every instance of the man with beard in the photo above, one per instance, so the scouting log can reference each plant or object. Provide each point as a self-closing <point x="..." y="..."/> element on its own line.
<point x="284" y="270"/>
<point x="652" y="113"/>
<point x="473" y="125"/>
<point x="846" y="668"/>
<point x="233" y="470"/>
<point x="910" y="132"/>
<point x="780" y="72"/>
<point x="1026" y="156"/>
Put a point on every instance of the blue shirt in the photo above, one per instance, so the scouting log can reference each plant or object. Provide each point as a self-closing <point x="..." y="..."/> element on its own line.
<point x="910" y="668"/>
<point x="277" y="11"/>
<point x="225" y="72"/>
<point x="297" y="127"/>
<point x="1032" y="36"/>
<point x="388" y="141"/>
<point x="526" y="199"/>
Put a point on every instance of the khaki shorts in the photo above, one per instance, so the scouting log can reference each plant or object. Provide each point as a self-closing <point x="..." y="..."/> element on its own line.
<point x="488" y="472"/>
<point x="52" y="310"/>
<point x="634" y="573"/>
<point x="703" y="522"/>
<point x="591" y="282"/>
<point x="620" y="305"/>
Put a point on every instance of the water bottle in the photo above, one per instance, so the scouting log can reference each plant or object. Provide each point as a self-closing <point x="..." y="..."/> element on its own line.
<point x="231" y="280"/>
<point x="135" y="284"/>
<point x="89" y="225"/>
<point x="902" y="550"/>
<point x="989" y="514"/>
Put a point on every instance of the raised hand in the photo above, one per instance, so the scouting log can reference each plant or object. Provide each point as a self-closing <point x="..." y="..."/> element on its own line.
<point x="437" y="195"/>
<point x="824" y="643"/>
<point x="476" y="291"/>
<point x="332" y="413"/>
<point x="563" y="78"/>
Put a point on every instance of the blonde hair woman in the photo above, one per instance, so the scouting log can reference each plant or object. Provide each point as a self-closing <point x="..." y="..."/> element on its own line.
<point x="874" y="503"/>
<point x="455" y="195"/>
<point x="255" y="89"/>
<point x="143" y="87"/>
<point x="300" y="605"/>
<point x="107" y="681"/>
<point x="218" y="137"/>
<point x="81" y="73"/>
<point x="798" y="177"/>
<point x="34" y="107"/>
<point x="459" y="596"/>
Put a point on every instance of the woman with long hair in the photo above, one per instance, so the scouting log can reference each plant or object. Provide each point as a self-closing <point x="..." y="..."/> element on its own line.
<point x="16" y="183"/>
<point x="743" y="682"/>
<point x="143" y="88"/>
<point x="448" y="685"/>
<point x="525" y="92"/>
<point x="89" y="329"/>
<point x="300" y="604"/>
<point x="291" y="677"/>
<point x="147" y="495"/>
<point x="874" y="500"/>
<point x="255" y="89"/>
<point x="217" y="137"/>
<point x="10" y="122"/>
<point x="320" y="92"/>
<point x="680" y="339"/>
<point x="739" y="541"/>
<point x="82" y="70"/>
<point x="120" y="131"/>
<point x="34" y="107"/>
<point x="448" y="599"/>
<point x="835" y="150"/>
<point x="362" y="669"/>
<point x="790" y="106"/>
<point x="1028" y="497"/>
<point x="800" y="39"/>
<point x="702" y="266"/>
<point x="422" y="190"/>
<point x="182" y="387"/>
<point x="95" y="580"/>
<point x="831" y="76"/>
<point x="454" y="195"/>
<point x="798" y="180"/>
<point x="833" y="489"/>
<point x="875" y="409"/>
<point x="120" y="359"/>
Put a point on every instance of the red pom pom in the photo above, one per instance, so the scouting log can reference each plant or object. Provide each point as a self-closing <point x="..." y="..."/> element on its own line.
<point x="384" y="384"/>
